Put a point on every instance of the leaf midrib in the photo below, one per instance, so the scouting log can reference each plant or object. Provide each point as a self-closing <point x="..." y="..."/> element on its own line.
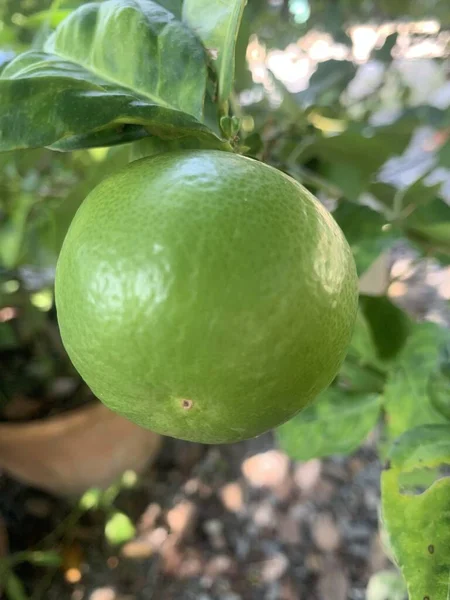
<point x="155" y="99"/>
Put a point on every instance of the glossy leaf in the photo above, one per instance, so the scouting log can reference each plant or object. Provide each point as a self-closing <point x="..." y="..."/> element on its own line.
<point x="158" y="57"/>
<point x="217" y="24"/>
<point x="85" y="89"/>
<point x="418" y="526"/>
<point x="406" y="399"/>
<point x="336" y="423"/>
<point x="389" y="325"/>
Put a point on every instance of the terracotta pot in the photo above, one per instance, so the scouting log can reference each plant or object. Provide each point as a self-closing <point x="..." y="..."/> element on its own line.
<point x="69" y="453"/>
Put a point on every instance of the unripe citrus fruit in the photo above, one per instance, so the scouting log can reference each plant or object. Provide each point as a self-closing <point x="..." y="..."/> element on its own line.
<point x="205" y="295"/>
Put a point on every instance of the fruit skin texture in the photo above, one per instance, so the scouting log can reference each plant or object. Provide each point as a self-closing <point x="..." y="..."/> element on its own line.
<point x="205" y="295"/>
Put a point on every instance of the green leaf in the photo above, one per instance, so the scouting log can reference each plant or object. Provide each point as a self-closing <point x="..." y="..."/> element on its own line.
<point x="429" y="226"/>
<point x="47" y="558"/>
<point x="157" y="58"/>
<point x="87" y="90"/>
<point x="119" y="529"/>
<point x="217" y="24"/>
<point x="418" y="526"/>
<point x="327" y="83"/>
<point x="364" y="148"/>
<point x="13" y="231"/>
<point x="444" y="155"/>
<point x="14" y="588"/>
<point x="336" y="423"/>
<point x="385" y="52"/>
<point x="365" y="231"/>
<point x="406" y="200"/>
<point x="389" y="325"/>
<point x="439" y="383"/>
<point x="406" y="400"/>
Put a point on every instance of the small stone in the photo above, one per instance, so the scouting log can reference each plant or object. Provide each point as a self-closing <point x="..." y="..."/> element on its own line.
<point x="325" y="533"/>
<point x="300" y="512"/>
<point x="137" y="549"/>
<point x="149" y="517"/>
<point x="314" y="562"/>
<point x="191" y="486"/>
<point x="214" y="530"/>
<point x="219" y="565"/>
<point x="289" y="531"/>
<point x="264" y="515"/>
<point x="157" y="538"/>
<point x="284" y="491"/>
<point x="172" y="557"/>
<point x="274" y="567"/>
<point x="333" y="583"/>
<point x="307" y="475"/>
<point x="267" y="469"/>
<point x="324" y="492"/>
<point x="181" y="518"/>
<point x="289" y="591"/>
<point x="232" y="497"/>
<point x="190" y="567"/>
<point x="104" y="593"/>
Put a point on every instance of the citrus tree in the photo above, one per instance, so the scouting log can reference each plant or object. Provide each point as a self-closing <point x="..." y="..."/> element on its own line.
<point x="214" y="224"/>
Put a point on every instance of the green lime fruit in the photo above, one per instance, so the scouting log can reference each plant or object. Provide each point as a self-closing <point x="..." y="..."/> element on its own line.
<point x="205" y="295"/>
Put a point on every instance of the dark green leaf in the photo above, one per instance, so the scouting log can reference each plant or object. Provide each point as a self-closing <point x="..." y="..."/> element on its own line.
<point x="365" y="149"/>
<point x="365" y="231"/>
<point x="418" y="526"/>
<point x="336" y="423"/>
<point x="389" y="325"/>
<point x="217" y="25"/>
<point x="86" y="90"/>
<point x="406" y="400"/>
<point x="327" y="83"/>
<point x="429" y="226"/>
<point x="157" y="58"/>
<point x="385" y="52"/>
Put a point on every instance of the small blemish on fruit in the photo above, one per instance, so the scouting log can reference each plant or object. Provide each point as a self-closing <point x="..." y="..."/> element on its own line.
<point x="431" y="549"/>
<point x="187" y="404"/>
